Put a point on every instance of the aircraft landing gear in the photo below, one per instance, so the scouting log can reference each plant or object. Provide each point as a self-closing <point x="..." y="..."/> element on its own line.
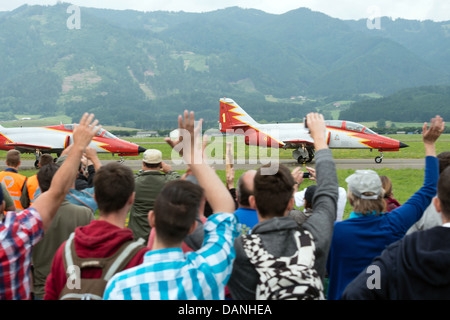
<point x="379" y="159"/>
<point x="303" y="155"/>
<point x="121" y="160"/>
<point x="37" y="154"/>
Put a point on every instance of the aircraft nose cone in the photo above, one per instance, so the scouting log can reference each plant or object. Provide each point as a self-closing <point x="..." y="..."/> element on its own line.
<point x="141" y="149"/>
<point x="403" y="145"/>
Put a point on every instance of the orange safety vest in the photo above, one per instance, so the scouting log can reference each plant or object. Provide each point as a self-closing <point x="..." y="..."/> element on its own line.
<point x="32" y="185"/>
<point x="14" y="184"/>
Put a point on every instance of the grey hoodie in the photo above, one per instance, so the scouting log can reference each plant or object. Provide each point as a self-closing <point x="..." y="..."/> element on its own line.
<point x="277" y="233"/>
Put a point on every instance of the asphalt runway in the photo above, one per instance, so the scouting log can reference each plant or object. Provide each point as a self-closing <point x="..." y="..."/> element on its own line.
<point x="239" y="165"/>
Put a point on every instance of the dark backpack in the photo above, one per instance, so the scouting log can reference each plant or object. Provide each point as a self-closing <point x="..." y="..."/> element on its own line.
<point x="93" y="289"/>
<point x="285" y="278"/>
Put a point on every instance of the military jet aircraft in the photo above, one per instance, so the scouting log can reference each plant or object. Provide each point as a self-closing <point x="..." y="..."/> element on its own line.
<point x="340" y="134"/>
<point x="54" y="139"/>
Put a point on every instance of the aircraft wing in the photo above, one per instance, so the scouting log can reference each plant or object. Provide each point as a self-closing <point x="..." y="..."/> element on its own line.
<point x="239" y="126"/>
<point x="304" y="140"/>
<point x="299" y="141"/>
<point x="29" y="147"/>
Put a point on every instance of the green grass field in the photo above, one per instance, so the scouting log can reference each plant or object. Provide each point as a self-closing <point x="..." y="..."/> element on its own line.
<point x="405" y="181"/>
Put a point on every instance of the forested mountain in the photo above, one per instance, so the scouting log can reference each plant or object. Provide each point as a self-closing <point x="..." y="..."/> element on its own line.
<point x="408" y="105"/>
<point x="428" y="40"/>
<point x="142" y="69"/>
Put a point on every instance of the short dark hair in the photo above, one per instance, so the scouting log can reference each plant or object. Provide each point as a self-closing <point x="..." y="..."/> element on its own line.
<point x="152" y="165"/>
<point x="444" y="160"/>
<point x="176" y="208"/>
<point x="309" y="195"/>
<point x="45" y="159"/>
<point x="45" y="176"/>
<point x="114" y="184"/>
<point x="443" y="192"/>
<point x="273" y="192"/>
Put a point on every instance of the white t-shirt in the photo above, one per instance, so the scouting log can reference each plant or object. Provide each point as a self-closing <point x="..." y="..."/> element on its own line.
<point x="342" y="201"/>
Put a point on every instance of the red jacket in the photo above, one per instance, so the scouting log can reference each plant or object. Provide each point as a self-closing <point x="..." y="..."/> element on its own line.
<point x="98" y="239"/>
<point x="391" y="204"/>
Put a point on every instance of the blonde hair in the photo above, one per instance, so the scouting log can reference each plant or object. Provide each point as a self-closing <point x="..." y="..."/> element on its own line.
<point x="366" y="206"/>
<point x="13" y="158"/>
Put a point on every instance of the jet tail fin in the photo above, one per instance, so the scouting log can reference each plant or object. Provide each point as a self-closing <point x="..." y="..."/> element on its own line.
<point x="232" y="116"/>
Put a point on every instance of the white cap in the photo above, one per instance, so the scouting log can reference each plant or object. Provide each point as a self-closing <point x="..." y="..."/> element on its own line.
<point x="363" y="181"/>
<point x="152" y="156"/>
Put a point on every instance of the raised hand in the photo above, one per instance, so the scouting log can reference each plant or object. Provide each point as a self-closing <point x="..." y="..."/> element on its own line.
<point x="431" y="134"/>
<point x="85" y="130"/>
<point x="297" y="174"/>
<point x="317" y="128"/>
<point x="191" y="150"/>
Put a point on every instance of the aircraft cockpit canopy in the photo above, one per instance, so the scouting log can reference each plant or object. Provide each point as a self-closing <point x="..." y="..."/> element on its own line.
<point x="101" y="133"/>
<point x="106" y="134"/>
<point x="348" y="125"/>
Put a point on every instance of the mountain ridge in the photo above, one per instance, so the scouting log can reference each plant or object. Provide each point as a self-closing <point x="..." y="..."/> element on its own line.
<point x="142" y="69"/>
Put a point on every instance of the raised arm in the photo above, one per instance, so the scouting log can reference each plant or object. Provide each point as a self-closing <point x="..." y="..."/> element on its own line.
<point x="216" y="192"/>
<point x="412" y="210"/>
<point x="431" y="134"/>
<point x="317" y="127"/>
<point x="321" y="222"/>
<point x="48" y="202"/>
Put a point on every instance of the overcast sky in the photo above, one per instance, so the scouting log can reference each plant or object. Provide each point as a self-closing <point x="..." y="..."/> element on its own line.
<point x="437" y="10"/>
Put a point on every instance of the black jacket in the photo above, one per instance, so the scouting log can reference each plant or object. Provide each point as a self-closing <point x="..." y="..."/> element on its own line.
<point x="415" y="267"/>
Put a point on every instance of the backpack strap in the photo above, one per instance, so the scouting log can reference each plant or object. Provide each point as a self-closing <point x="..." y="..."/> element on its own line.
<point x="123" y="259"/>
<point x="68" y="261"/>
<point x="110" y="265"/>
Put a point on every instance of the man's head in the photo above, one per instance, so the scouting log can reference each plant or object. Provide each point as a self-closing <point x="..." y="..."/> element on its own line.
<point x="152" y="159"/>
<point x="442" y="200"/>
<point x="175" y="211"/>
<point x="114" y="185"/>
<point x="309" y="195"/>
<point x="13" y="158"/>
<point x="365" y="192"/>
<point x="273" y="194"/>
<point x="45" y="159"/>
<point x="45" y="175"/>
<point x="244" y="188"/>
<point x="444" y="160"/>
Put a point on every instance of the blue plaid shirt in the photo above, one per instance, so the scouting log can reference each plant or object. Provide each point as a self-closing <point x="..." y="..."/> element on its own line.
<point x="170" y="274"/>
